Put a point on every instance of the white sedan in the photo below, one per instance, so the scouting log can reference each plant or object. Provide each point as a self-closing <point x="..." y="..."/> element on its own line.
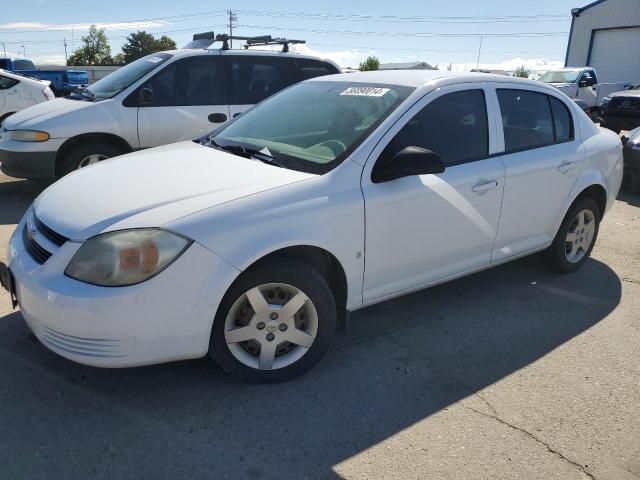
<point x="251" y="244"/>
<point x="18" y="92"/>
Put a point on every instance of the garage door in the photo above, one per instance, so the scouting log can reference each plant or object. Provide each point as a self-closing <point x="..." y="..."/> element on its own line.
<point x="614" y="55"/>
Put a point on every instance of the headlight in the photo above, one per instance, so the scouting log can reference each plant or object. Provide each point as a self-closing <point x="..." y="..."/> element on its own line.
<point x="125" y="257"/>
<point x="605" y="100"/>
<point x="28" y="136"/>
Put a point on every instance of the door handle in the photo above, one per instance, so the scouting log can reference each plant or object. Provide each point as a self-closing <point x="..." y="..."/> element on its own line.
<point x="484" y="186"/>
<point x="566" y="166"/>
<point x="217" y="118"/>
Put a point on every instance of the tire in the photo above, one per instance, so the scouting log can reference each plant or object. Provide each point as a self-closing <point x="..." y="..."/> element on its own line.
<point x="279" y="282"/>
<point x="565" y="257"/>
<point x="80" y="154"/>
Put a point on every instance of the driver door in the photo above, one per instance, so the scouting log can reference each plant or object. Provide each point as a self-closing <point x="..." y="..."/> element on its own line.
<point x="424" y="228"/>
<point x="185" y="100"/>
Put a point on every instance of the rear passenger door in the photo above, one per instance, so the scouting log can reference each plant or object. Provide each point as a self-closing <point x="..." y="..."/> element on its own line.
<point x="186" y="99"/>
<point x="254" y="78"/>
<point x="423" y="228"/>
<point x="542" y="159"/>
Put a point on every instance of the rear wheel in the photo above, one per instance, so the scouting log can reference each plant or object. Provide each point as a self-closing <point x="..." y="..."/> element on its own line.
<point x="87" y="154"/>
<point x="576" y="237"/>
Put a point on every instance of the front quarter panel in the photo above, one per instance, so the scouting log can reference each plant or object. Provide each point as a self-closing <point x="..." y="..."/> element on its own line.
<point x="325" y="211"/>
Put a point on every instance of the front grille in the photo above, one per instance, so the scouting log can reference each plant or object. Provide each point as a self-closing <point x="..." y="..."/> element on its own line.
<point x="38" y="253"/>
<point x="53" y="237"/>
<point x="85" y="346"/>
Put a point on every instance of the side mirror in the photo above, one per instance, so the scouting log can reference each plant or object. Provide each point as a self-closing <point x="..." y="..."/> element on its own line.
<point x="145" y="96"/>
<point x="583" y="83"/>
<point x="407" y="162"/>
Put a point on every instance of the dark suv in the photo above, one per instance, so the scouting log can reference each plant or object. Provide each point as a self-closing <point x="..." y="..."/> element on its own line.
<point x="621" y="110"/>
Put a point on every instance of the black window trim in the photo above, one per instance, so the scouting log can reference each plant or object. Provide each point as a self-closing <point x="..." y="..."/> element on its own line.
<point x="461" y="162"/>
<point x="131" y="100"/>
<point x="553" y="123"/>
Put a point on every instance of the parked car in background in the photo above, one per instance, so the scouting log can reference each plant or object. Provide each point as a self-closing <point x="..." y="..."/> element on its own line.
<point x="621" y="110"/>
<point x="631" y="151"/>
<point x="250" y="244"/>
<point x="18" y="92"/>
<point x="63" y="82"/>
<point x="582" y="84"/>
<point x="159" y="99"/>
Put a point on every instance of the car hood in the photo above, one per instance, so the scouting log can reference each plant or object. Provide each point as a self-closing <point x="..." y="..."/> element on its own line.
<point x="153" y="187"/>
<point x="626" y="93"/>
<point x="32" y="117"/>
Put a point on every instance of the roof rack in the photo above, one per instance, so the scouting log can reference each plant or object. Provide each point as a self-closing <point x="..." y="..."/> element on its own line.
<point x="206" y="39"/>
<point x="257" y="41"/>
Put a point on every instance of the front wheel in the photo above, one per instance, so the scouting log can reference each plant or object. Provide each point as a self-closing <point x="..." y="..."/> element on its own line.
<point x="274" y="323"/>
<point x="87" y="154"/>
<point x="576" y="237"/>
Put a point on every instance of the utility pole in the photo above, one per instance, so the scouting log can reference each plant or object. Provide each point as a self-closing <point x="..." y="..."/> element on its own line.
<point x="24" y="50"/>
<point x="233" y="18"/>
<point x="66" y="58"/>
<point x="479" y="50"/>
<point x="4" y="47"/>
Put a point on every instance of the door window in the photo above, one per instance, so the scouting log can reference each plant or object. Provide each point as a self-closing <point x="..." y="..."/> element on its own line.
<point x="194" y="81"/>
<point x="6" y="82"/>
<point x="454" y="126"/>
<point x="255" y="78"/>
<point x="526" y="119"/>
<point x="562" y="123"/>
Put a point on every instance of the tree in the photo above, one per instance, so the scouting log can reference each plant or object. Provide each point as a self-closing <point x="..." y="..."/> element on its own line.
<point x="141" y="43"/>
<point x="118" y="59"/>
<point x="94" y="51"/>
<point x="371" y="63"/>
<point x="449" y="67"/>
<point x="522" y="72"/>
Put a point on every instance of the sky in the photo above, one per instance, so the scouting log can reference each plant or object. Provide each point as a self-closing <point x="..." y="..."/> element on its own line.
<point x="513" y="33"/>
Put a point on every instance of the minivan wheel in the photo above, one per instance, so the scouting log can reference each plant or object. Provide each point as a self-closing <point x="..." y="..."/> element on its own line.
<point x="87" y="154"/>
<point x="275" y="322"/>
<point x="576" y="237"/>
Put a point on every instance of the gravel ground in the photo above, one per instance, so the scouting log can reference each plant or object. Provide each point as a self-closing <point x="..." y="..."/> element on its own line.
<point x="515" y="372"/>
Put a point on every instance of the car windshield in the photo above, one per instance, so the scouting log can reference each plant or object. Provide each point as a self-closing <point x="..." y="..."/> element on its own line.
<point x="312" y="126"/>
<point x="561" y="76"/>
<point x="115" y="82"/>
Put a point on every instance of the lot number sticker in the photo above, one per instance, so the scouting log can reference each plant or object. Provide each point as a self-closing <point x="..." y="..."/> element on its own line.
<point x="365" y="91"/>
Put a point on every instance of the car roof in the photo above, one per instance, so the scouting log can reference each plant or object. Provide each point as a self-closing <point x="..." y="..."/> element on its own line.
<point x="417" y="78"/>
<point x="18" y="76"/>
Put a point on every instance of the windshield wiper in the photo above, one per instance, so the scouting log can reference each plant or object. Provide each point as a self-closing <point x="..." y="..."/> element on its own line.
<point x="247" y="152"/>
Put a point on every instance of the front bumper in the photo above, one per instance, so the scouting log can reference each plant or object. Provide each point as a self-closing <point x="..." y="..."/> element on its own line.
<point x="166" y="318"/>
<point x="618" y="122"/>
<point x="31" y="165"/>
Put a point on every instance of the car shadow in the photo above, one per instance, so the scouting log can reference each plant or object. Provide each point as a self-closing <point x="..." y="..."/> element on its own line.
<point x="629" y="197"/>
<point x="400" y="362"/>
<point x="15" y="198"/>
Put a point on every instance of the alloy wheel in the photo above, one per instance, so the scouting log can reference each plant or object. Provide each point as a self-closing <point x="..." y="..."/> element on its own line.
<point x="91" y="159"/>
<point x="580" y="236"/>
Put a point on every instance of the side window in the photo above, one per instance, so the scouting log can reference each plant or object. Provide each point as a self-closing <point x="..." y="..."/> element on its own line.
<point x="314" y="68"/>
<point x="442" y="124"/>
<point x="194" y="81"/>
<point x="6" y="82"/>
<point x="562" y="122"/>
<point x="255" y="78"/>
<point x="526" y="119"/>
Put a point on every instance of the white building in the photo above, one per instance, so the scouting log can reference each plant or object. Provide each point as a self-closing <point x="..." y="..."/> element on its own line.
<point x="606" y="35"/>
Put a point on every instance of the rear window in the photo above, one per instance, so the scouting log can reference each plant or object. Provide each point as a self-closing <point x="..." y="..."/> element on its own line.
<point x="23" y="65"/>
<point x="526" y="119"/>
<point x="255" y="78"/>
<point x="6" y="82"/>
<point x="314" y="68"/>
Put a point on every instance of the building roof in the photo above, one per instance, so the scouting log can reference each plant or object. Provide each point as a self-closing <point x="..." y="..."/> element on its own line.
<point x="405" y="66"/>
<point x="587" y="7"/>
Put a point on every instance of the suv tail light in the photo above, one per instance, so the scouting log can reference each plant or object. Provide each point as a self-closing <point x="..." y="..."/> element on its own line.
<point x="48" y="94"/>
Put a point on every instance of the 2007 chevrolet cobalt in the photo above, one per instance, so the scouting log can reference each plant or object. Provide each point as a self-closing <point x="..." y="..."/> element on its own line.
<point x="251" y="243"/>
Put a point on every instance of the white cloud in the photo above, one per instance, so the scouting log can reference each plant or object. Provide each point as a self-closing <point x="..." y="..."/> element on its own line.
<point x="18" y="26"/>
<point x="534" y="64"/>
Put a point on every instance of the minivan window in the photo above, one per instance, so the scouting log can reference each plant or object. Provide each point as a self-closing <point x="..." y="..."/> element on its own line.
<point x="255" y="78"/>
<point x="117" y="81"/>
<point x="314" y="68"/>
<point x="454" y="126"/>
<point x="198" y="80"/>
<point x="6" y="82"/>
<point x="526" y="119"/>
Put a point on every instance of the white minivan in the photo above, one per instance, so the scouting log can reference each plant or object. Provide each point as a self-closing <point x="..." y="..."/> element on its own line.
<point x="18" y="92"/>
<point x="159" y="99"/>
